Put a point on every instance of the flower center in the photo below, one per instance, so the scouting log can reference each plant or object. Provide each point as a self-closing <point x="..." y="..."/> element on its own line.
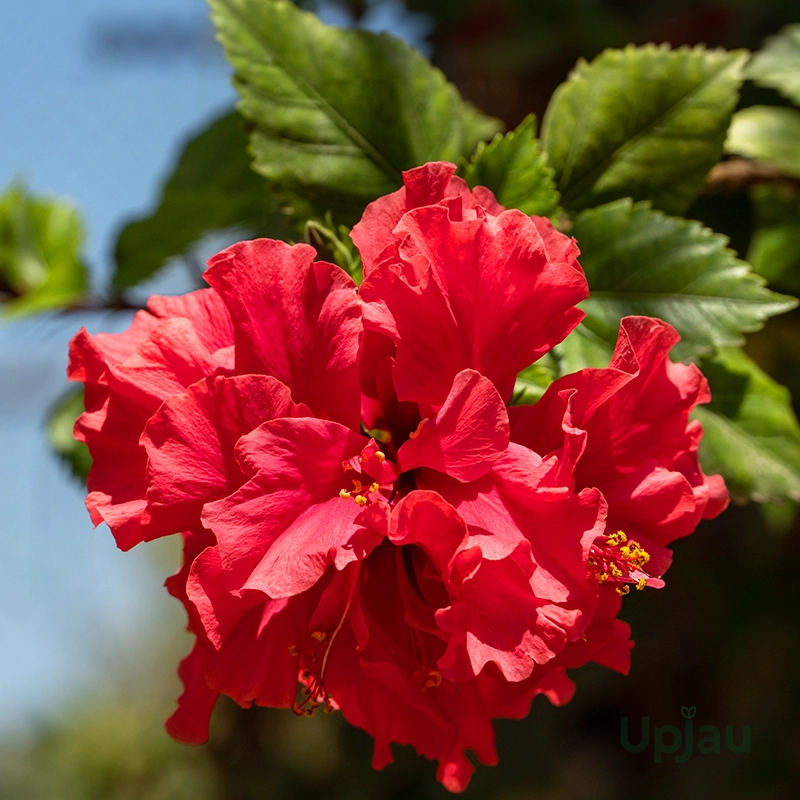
<point x="314" y="692"/>
<point x="618" y="560"/>
<point x="375" y="476"/>
<point x="361" y="494"/>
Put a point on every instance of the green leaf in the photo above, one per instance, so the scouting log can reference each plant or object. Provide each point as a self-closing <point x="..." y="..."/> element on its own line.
<point x="533" y="381"/>
<point x="751" y="433"/>
<point x="769" y="134"/>
<point x="777" y="65"/>
<point x="647" y="123"/>
<point x="338" y="114"/>
<point x="60" y="423"/>
<point x="775" y="245"/>
<point x="212" y="188"/>
<point x="640" y="261"/>
<point x="516" y="170"/>
<point x="583" y="348"/>
<point x="333" y="243"/>
<point x="40" y="263"/>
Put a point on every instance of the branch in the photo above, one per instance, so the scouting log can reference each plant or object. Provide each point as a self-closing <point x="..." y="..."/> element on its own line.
<point x="740" y="174"/>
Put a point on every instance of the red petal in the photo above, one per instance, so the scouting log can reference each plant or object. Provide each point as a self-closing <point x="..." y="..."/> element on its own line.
<point x="466" y="436"/>
<point x="190" y="444"/>
<point x="296" y="320"/>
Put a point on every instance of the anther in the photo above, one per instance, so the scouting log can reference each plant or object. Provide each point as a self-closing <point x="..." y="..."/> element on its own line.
<point x="344" y="494"/>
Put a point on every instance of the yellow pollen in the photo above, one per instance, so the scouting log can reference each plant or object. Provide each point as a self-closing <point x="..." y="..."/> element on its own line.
<point x="602" y="577"/>
<point x="641" y="584"/>
<point x="344" y="494"/>
<point x="614" y="539"/>
<point x="428" y="680"/>
<point x="357" y="486"/>
<point x="623" y="590"/>
<point x="615" y="570"/>
<point x="293" y="650"/>
<point x="320" y="636"/>
<point x="380" y="456"/>
<point x="361" y="500"/>
<point x="374" y="486"/>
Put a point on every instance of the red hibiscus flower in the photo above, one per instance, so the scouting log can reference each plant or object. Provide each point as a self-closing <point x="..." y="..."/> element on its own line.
<point x="364" y="527"/>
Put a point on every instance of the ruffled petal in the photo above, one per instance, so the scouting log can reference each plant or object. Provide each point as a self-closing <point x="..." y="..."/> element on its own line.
<point x="468" y="433"/>
<point x="471" y="294"/>
<point x="190" y="445"/>
<point x="295" y="319"/>
<point x="280" y="531"/>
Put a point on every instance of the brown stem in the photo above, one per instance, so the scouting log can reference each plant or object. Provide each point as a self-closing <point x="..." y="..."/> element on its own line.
<point x="740" y="174"/>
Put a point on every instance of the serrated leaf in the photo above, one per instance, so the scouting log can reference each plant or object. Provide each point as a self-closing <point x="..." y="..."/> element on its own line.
<point x="777" y="65"/>
<point x="775" y="245"/>
<point x="515" y="169"/>
<point x="60" y="423"/>
<point x="646" y="122"/>
<point x="212" y="188"/>
<point x="338" y="114"/>
<point x="769" y="134"/>
<point x="640" y="261"/>
<point x="751" y="435"/>
<point x="41" y="267"/>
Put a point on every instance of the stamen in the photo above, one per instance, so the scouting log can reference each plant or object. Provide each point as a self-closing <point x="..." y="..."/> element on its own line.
<point x="428" y="679"/>
<point x="619" y="560"/>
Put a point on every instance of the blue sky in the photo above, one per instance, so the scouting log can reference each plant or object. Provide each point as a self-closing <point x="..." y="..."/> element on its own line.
<point x="103" y="130"/>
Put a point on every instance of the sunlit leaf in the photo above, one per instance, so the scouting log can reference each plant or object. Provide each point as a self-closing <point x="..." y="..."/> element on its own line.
<point x="640" y="261"/>
<point x="41" y="266"/>
<point x="338" y="114"/>
<point x="769" y="134"/>
<point x="646" y="122"/>
<point x="515" y="169"/>
<point x="777" y="65"/>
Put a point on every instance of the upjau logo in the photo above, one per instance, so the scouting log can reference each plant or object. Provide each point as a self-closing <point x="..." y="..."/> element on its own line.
<point x="671" y="740"/>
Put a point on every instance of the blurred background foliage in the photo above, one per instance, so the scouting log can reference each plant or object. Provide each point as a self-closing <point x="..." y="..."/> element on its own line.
<point x="724" y="635"/>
